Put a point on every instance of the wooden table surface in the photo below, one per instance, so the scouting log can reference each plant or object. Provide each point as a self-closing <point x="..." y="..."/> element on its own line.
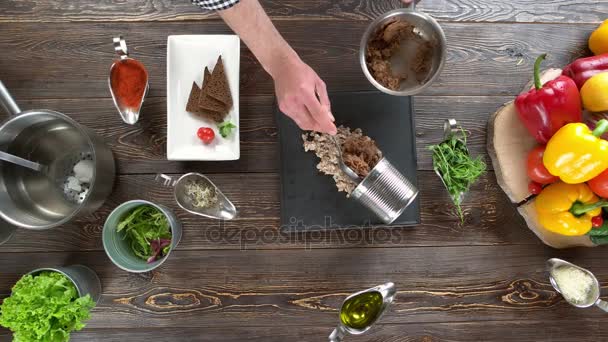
<point x="244" y="280"/>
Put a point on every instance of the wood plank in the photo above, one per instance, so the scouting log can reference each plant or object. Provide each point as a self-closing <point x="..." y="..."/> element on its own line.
<point x="490" y="219"/>
<point x="302" y="287"/>
<point x="142" y="148"/>
<point x="67" y="60"/>
<point x="521" y="11"/>
<point x="499" y="331"/>
<point x="572" y="11"/>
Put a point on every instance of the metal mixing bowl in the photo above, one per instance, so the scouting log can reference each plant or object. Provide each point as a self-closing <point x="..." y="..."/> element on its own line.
<point x="427" y="28"/>
<point x="42" y="200"/>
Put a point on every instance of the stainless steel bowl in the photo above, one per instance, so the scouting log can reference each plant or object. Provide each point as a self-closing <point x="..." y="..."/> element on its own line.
<point x="42" y="200"/>
<point x="428" y="28"/>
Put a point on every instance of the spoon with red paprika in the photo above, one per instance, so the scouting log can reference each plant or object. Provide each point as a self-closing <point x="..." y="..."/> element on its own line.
<point x="128" y="83"/>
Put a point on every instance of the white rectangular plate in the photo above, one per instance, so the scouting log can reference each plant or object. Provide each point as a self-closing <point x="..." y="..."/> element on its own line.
<point x="187" y="57"/>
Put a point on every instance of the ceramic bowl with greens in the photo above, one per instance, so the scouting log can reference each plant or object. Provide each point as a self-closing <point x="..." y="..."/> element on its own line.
<point x="138" y="236"/>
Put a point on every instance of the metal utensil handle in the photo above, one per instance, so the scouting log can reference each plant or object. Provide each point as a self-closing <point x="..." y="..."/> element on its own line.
<point x="120" y="47"/>
<point x="338" y="334"/>
<point x="20" y="161"/>
<point x="345" y="168"/>
<point x="7" y="102"/>
<point x="602" y="304"/>
<point x="449" y="128"/>
<point x="412" y="5"/>
<point x="166" y="181"/>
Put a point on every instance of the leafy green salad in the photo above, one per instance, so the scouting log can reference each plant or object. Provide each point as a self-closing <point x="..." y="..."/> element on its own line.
<point x="45" y="308"/>
<point x="147" y="231"/>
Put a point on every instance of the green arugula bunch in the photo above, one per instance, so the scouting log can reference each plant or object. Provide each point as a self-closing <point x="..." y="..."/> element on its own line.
<point x="147" y="231"/>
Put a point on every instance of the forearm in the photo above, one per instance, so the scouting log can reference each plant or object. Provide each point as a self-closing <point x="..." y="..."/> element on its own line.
<point x="249" y="20"/>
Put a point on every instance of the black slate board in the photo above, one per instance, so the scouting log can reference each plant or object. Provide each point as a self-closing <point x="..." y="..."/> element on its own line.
<point x="310" y="200"/>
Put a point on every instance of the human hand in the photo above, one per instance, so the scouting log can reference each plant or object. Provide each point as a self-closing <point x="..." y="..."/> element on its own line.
<point x="302" y="96"/>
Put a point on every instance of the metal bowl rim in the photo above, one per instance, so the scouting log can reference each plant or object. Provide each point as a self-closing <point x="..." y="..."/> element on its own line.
<point x="372" y="27"/>
<point x="60" y="270"/>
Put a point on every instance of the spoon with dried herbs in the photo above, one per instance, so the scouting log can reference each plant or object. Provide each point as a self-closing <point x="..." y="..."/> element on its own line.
<point x="454" y="165"/>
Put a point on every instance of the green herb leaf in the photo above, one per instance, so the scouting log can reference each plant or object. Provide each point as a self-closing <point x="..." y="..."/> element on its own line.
<point x="45" y="307"/>
<point x="599" y="240"/>
<point x="599" y="231"/>
<point x="134" y="214"/>
<point x="226" y="128"/>
<point x="142" y="225"/>
<point x="455" y="166"/>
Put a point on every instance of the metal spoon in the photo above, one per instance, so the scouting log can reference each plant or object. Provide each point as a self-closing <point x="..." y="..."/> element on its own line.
<point x="388" y="292"/>
<point x="224" y="210"/>
<point x="7" y="157"/>
<point x="594" y="295"/>
<point x="347" y="170"/>
<point x="128" y="114"/>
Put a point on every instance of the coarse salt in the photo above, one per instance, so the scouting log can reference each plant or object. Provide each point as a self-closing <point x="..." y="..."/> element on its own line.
<point x="73" y="184"/>
<point x="574" y="284"/>
<point x="84" y="171"/>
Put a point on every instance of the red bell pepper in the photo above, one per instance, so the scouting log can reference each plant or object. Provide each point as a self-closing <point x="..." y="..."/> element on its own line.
<point x="546" y="109"/>
<point x="583" y="69"/>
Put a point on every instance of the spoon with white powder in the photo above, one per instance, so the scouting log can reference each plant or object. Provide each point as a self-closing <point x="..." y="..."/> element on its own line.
<point x="579" y="286"/>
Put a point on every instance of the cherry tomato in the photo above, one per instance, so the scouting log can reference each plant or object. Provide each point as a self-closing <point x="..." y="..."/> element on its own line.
<point x="535" y="188"/>
<point x="599" y="184"/>
<point x="536" y="169"/>
<point x="206" y="134"/>
<point x="597" y="221"/>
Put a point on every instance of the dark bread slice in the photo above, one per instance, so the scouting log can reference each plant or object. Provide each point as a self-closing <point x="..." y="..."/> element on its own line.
<point x="204" y="100"/>
<point x="192" y="105"/>
<point x="209" y="103"/>
<point x="218" y="87"/>
<point x="211" y="115"/>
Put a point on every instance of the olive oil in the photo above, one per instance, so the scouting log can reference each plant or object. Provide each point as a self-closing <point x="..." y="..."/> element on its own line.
<point x="362" y="310"/>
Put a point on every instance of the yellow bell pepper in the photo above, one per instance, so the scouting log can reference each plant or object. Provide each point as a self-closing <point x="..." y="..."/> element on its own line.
<point x="575" y="154"/>
<point x="595" y="93"/>
<point x="567" y="209"/>
<point x="598" y="41"/>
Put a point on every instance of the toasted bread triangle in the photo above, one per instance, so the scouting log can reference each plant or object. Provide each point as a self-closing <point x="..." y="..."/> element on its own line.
<point x="218" y="87"/>
<point x="205" y="101"/>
